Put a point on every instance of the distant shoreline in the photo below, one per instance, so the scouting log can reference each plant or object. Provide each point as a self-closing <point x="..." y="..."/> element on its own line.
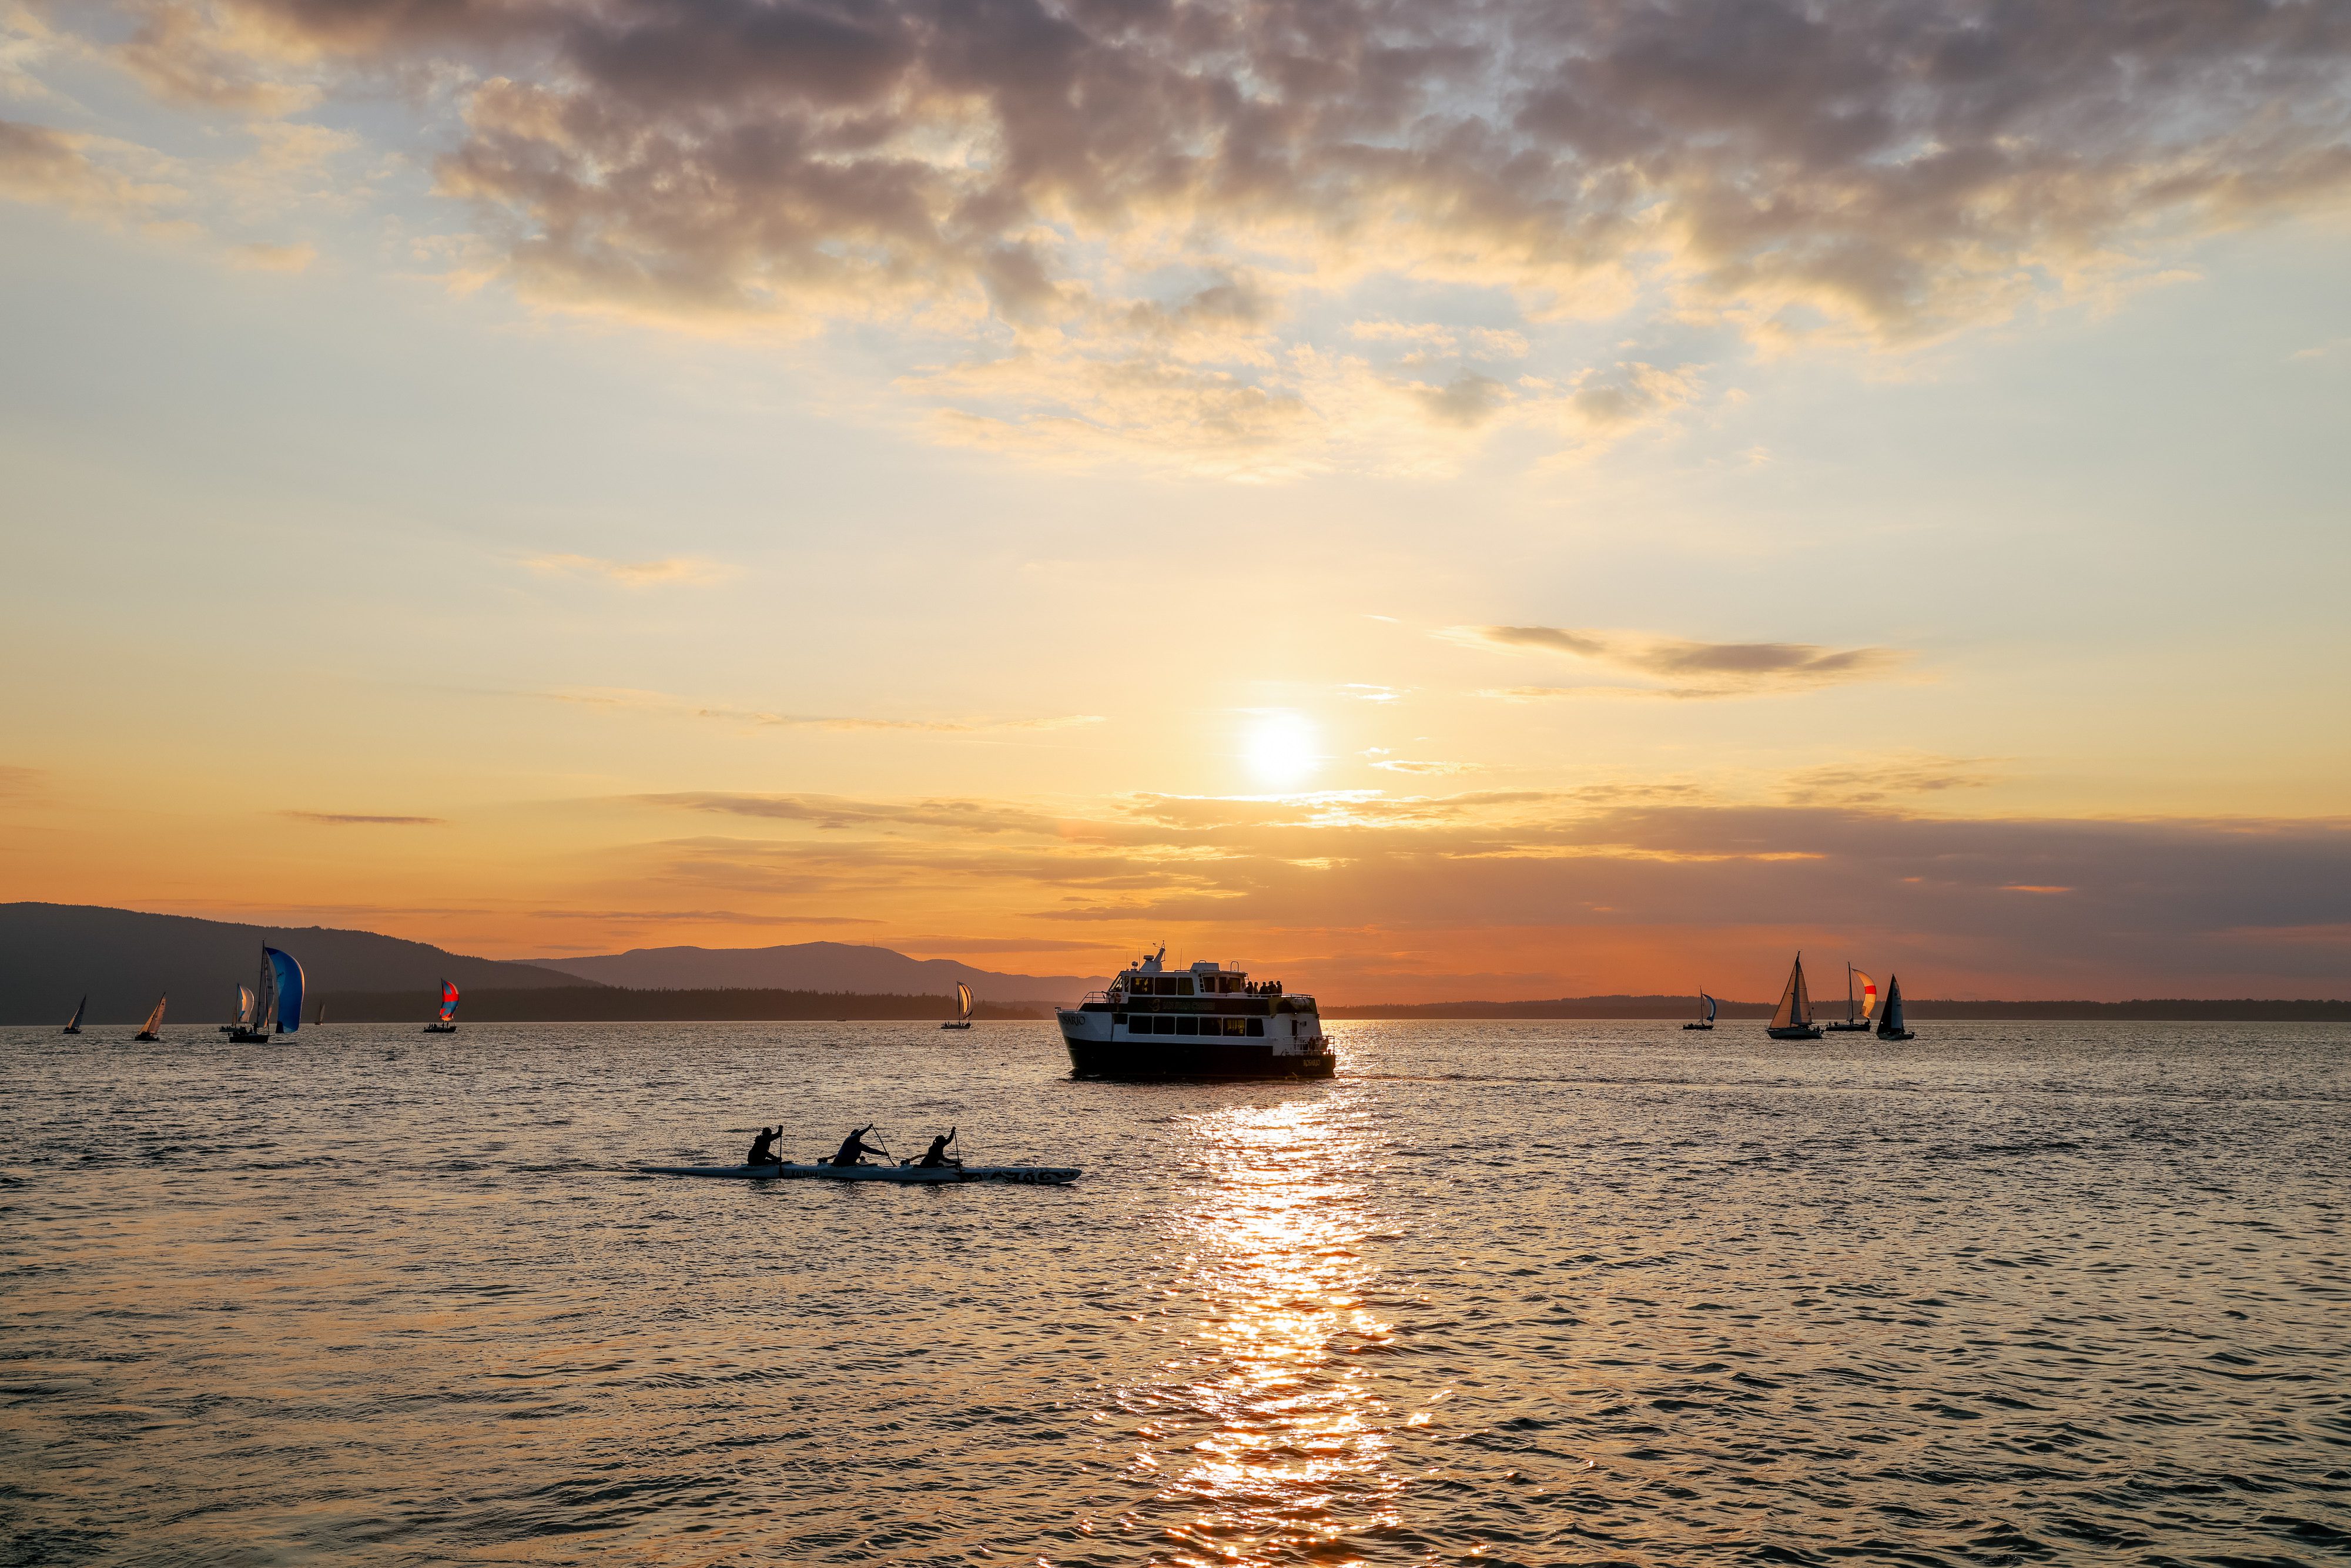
<point x="607" y="1004"/>
<point x="613" y="1004"/>
<point x="1683" y="1009"/>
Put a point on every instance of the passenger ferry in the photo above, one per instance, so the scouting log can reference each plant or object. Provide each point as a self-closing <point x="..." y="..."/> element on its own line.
<point x="1208" y="1021"/>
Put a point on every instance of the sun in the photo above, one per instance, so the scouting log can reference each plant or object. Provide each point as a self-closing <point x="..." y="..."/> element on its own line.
<point x="1281" y="749"/>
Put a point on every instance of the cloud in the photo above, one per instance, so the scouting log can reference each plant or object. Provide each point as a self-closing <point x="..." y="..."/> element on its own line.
<point x="204" y="58"/>
<point x="1870" y="783"/>
<point x="992" y="945"/>
<point x="679" y="569"/>
<point x="273" y="257"/>
<point x="657" y="701"/>
<point x="359" y="820"/>
<point x="1405" y="764"/>
<point x="23" y="783"/>
<point x="1692" y="669"/>
<point x="834" y="812"/>
<point x="53" y="167"/>
<point x="1115" y="225"/>
<point x="699" y="917"/>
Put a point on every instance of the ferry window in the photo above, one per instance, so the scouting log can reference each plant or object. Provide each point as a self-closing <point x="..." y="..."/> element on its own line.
<point x="1187" y="1026"/>
<point x="1183" y="985"/>
<point x="1256" y="1026"/>
<point x="1236" y="1026"/>
<point x="1163" y="1024"/>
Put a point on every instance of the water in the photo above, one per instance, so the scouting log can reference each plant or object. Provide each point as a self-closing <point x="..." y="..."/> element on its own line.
<point x="1537" y="1293"/>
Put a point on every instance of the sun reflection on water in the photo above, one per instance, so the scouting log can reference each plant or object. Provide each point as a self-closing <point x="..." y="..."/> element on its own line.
<point x="1268" y="1438"/>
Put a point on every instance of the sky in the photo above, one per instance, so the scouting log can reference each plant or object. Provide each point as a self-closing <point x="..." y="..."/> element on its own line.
<point x="1427" y="501"/>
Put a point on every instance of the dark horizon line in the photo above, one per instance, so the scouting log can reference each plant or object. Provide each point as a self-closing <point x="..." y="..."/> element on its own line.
<point x="589" y="1003"/>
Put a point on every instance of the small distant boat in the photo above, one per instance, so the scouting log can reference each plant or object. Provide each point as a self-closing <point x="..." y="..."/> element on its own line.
<point x="321" y="1017"/>
<point x="73" y="1024"/>
<point x="1706" y="1011"/>
<point x="1857" y="1007"/>
<point x="1031" y="1176"/>
<point x="153" y="1028"/>
<point x="963" y="1001"/>
<point x="447" y="1022"/>
<point x="1890" y="1022"/>
<point x="1793" y="1018"/>
<point x="276" y="1000"/>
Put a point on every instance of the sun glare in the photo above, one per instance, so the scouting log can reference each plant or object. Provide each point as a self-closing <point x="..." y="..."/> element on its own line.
<point x="1281" y="749"/>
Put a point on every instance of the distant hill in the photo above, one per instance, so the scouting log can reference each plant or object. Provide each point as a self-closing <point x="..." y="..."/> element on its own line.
<point x="51" y="954"/>
<point x="616" y="1004"/>
<point x="817" y="967"/>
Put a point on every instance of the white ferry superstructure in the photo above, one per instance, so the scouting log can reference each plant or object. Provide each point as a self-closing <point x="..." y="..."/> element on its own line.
<point x="1211" y="1020"/>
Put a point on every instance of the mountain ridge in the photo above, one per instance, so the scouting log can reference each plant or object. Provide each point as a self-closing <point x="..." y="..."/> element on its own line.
<point x="815" y="966"/>
<point x="122" y="959"/>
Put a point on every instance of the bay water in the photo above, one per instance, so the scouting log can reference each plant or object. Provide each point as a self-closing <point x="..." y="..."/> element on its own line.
<point x="1498" y="1294"/>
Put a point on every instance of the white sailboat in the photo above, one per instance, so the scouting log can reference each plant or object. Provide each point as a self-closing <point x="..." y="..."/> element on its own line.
<point x="963" y="1001"/>
<point x="1793" y="1018"/>
<point x="153" y="1028"/>
<point x="1706" y="1010"/>
<point x="73" y="1024"/>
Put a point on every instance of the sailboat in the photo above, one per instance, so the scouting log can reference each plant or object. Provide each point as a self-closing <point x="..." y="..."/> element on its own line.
<point x="243" y="1011"/>
<point x="1890" y="1022"/>
<point x="1793" y="1018"/>
<point x="963" y="1001"/>
<point x="447" y="1022"/>
<point x="277" y="999"/>
<point x="321" y="1017"/>
<point x="153" y="1028"/>
<point x="1858" y="1009"/>
<point x="73" y="1024"/>
<point x="1706" y="1009"/>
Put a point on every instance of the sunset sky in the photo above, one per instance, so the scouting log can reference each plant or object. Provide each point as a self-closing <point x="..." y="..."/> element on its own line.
<point x="1481" y="499"/>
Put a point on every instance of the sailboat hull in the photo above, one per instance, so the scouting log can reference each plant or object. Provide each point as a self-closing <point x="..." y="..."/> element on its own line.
<point x="1795" y="1031"/>
<point x="1846" y="1028"/>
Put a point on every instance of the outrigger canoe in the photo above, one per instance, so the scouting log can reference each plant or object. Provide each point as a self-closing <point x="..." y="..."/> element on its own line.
<point x="1035" y="1175"/>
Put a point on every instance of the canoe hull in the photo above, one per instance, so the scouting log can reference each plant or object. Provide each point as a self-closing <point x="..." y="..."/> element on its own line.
<point x="910" y="1175"/>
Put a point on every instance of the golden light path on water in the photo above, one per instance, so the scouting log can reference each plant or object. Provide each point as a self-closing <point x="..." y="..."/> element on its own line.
<point x="1285" y="1431"/>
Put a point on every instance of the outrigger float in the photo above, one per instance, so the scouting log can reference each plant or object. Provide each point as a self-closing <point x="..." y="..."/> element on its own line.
<point x="1031" y="1176"/>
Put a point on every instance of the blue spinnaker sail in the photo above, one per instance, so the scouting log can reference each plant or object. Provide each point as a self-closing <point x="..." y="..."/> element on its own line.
<point x="1709" y="1006"/>
<point x="288" y="975"/>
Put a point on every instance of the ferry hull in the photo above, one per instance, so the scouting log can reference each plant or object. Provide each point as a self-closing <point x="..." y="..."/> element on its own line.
<point x="1179" y="1058"/>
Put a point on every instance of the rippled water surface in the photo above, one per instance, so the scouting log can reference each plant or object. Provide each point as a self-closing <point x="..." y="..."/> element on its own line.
<point x="1532" y="1293"/>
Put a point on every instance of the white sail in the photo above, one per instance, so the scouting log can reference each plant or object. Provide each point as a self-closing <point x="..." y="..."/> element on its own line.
<point x="244" y="1000"/>
<point x="1795" y="1009"/>
<point x="963" y="1000"/>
